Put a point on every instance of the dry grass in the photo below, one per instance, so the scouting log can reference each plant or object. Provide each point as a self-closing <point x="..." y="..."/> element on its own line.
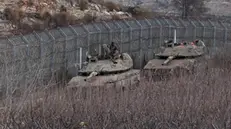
<point x="201" y="100"/>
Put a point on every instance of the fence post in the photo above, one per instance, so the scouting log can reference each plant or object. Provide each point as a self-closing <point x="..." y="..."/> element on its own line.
<point x="4" y="82"/>
<point x="9" y="89"/>
<point x="64" y="46"/>
<point x="150" y="32"/>
<point x="99" y="38"/>
<point x="41" y="46"/>
<point x="110" y="31"/>
<point x="225" y="34"/>
<point x="194" y="28"/>
<point x="140" y="44"/>
<point x="52" y="56"/>
<point x="176" y="27"/>
<point x="40" y="40"/>
<point x="161" y="31"/>
<point x="27" y="47"/>
<point x="76" y="48"/>
<point x="130" y="34"/>
<point x="174" y="22"/>
<point x="184" y="27"/>
<point x="169" y="28"/>
<point x="121" y="30"/>
<point x="214" y="36"/>
<point x="65" y="59"/>
<point x="88" y="38"/>
<point x="177" y="24"/>
<point x="27" y="55"/>
<point x="203" y="34"/>
<point x="150" y="45"/>
<point x="80" y="57"/>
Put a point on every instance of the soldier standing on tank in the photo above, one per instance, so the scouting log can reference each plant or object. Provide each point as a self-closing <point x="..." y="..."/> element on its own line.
<point x="112" y="51"/>
<point x="199" y="43"/>
<point x="92" y="57"/>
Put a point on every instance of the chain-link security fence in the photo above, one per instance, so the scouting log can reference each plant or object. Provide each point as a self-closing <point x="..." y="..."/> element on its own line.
<point x="40" y="54"/>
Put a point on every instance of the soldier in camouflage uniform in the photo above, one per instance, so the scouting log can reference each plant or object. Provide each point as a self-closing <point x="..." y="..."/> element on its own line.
<point x="112" y="51"/>
<point x="199" y="43"/>
<point x="92" y="57"/>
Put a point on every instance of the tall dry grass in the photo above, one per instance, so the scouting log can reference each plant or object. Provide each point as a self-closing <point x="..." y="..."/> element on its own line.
<point x="201" y="100"/>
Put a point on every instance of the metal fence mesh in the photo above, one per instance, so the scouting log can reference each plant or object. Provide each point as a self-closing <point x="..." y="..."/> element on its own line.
<point x="24" y="56"/>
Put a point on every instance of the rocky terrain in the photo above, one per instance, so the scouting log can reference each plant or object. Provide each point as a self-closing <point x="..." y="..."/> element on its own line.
<point x="28" y="15"/>
<point x="216" y="7"/>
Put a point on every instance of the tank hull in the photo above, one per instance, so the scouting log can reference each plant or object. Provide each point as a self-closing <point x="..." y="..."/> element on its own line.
<point x="130" y="77"/>
<point x="155" y="71"/>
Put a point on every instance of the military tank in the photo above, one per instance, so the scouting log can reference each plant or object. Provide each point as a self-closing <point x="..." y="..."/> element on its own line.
<point x="103" y="70"/>
<point x="176" y="59"/>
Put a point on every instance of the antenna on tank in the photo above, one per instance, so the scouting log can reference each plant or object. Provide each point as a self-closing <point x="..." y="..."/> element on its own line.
<point x="174" y="40"/>
<point x="174" y="35"/>
<point x="80" y="57"/>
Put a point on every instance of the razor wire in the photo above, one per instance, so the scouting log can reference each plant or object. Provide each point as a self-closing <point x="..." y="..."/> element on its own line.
<point x="67" y="46"/>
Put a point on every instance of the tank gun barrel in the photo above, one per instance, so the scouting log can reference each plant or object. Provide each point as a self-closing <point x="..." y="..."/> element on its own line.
<point x="170" y="58"/>
<point x="91" y="75"/>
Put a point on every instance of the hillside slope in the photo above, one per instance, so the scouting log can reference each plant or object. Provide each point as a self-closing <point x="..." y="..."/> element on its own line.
<point x="216" y="7"/>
